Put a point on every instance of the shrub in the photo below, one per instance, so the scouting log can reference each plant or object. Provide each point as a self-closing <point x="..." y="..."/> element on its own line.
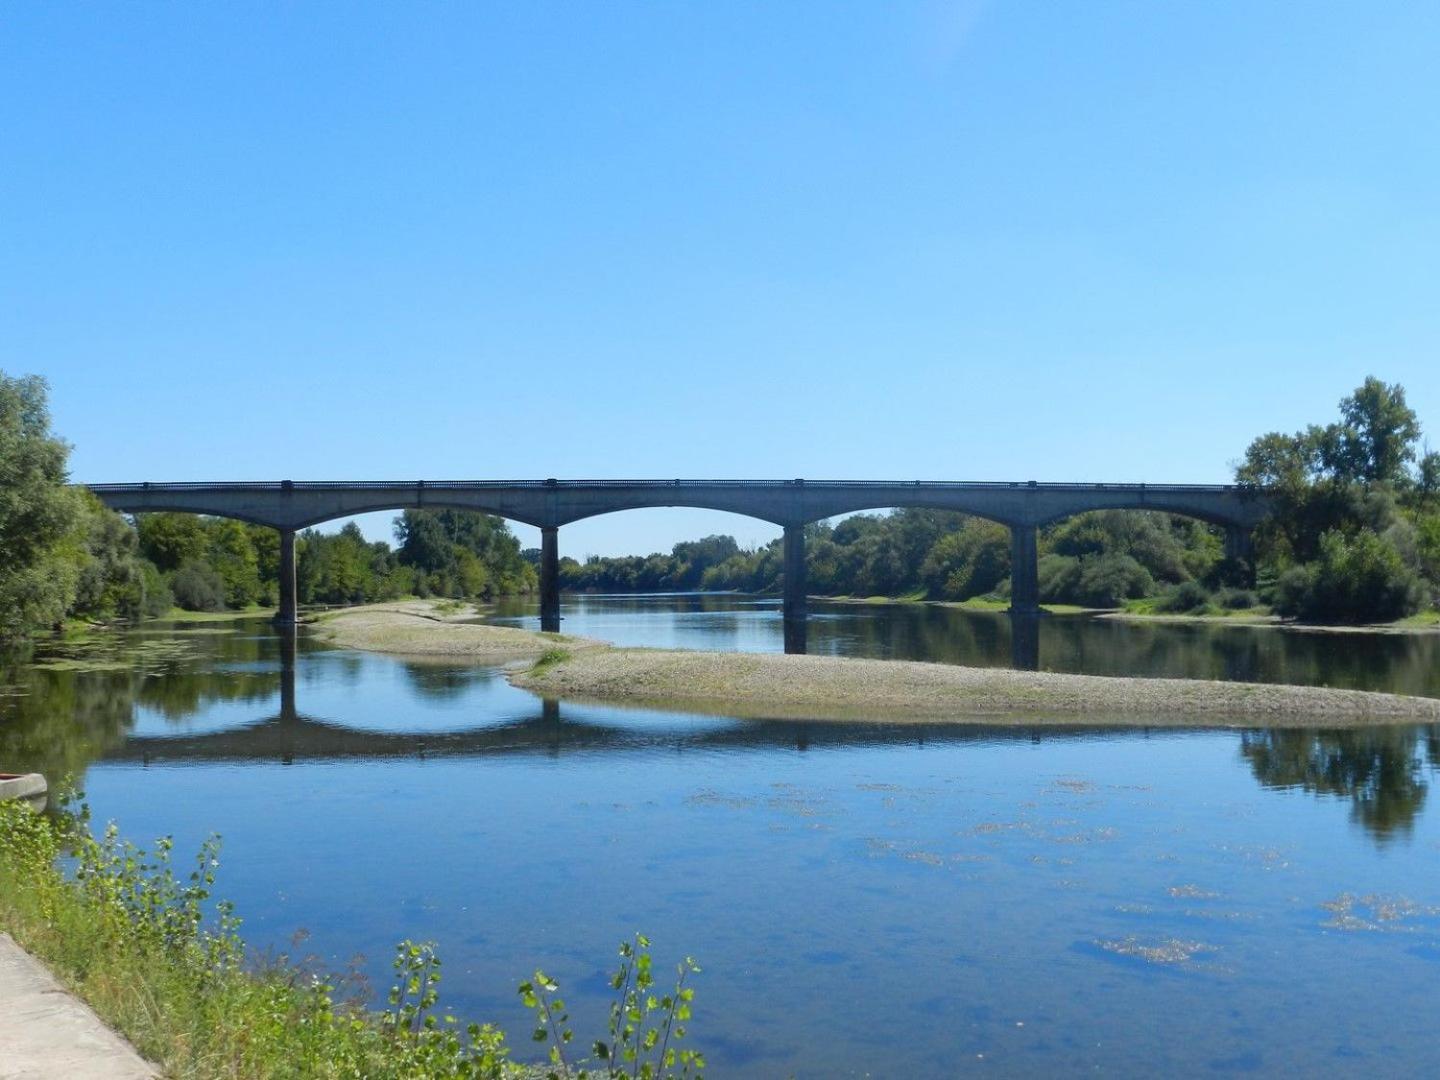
<point x="1188" y="597"/>
<point x="1059" y="577"/>
<point x="1355" y="579"/>
<point x="1110" y="580"/>
<point x="158" y="597"/>
<point x="197" y="587"/>
<point x="1236" y="599"/>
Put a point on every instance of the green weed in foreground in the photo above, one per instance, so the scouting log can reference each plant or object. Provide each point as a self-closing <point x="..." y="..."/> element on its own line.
<point x="550" y="658"/>
<point x="136" y="941"/>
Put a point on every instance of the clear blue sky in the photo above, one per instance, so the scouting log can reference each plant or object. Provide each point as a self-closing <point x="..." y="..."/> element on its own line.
<point x="1048" y="240"/>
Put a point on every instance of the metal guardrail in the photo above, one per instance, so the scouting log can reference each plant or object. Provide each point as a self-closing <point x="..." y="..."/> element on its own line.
<point x="580" y="485"/>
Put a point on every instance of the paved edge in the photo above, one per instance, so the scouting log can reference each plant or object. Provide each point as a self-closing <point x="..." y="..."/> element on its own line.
<point x="47" y="1033"/>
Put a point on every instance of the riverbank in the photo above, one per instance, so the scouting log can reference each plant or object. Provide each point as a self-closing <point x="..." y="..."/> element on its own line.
<point x="775" y="686"/>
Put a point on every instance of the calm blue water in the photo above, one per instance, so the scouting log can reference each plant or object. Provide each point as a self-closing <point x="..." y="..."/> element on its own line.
<point x="864" y="900"/>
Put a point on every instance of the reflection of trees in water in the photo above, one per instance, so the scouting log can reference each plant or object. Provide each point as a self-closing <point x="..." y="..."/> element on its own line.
<point x="1379" y="769"/>
<point x="1396" y="663"/>
<point x="218" y="667"/>
<point x="440" y="681"/>
<point x="912" y="632"/>
<point x="57" y="721"/>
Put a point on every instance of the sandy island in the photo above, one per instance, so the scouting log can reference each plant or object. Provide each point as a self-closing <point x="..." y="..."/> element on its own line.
<point x="427" y="628"/>
<point x="774" y="686"/>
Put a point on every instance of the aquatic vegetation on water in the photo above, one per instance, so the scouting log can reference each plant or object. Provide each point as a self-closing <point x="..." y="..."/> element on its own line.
<point x="115" y="652"/>
<point x="1157" y="951"/>
<point x="1379" y="912"/>
<point x="1192" y="892"/>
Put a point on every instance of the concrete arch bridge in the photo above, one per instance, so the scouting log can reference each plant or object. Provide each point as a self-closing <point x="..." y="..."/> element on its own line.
<point x="1023" y="507"/>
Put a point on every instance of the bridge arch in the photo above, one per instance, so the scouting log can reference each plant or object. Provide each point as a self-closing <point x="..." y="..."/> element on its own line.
<point x="182" y="508"/>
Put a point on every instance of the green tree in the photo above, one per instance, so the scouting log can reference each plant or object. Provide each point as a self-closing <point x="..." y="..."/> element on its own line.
<point x="233" y="557"/>
<point x="463" y="553"/>
<point x="40" y="518"/>
<point x="972" y="561"/>
<point x="170" y="540"/>
<point x="112" y="577"/>
<point x="1378" y="433"/>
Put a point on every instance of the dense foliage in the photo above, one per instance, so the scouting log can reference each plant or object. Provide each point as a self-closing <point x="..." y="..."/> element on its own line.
<point x="1356" y="533"/>
<point x="214" y="563"/>
<point x="139" y="943"/>
<point x="1098" y="559"/>
<point x="462" y="554"/>
<point x="61" y="552"/>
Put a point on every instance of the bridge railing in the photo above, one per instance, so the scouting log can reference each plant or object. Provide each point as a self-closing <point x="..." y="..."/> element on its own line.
<point x="574" y="485"/>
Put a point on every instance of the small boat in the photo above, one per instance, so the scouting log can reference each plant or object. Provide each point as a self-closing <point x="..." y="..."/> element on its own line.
<point x="28" y="786"/>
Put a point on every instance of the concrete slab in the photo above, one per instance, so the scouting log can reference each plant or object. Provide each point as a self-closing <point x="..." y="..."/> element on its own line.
<point x="46" y="1033"/>
<point x="30" y="787"/>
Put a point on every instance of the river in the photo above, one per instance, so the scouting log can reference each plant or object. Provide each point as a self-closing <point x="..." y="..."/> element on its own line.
<point x="865" y="900"/>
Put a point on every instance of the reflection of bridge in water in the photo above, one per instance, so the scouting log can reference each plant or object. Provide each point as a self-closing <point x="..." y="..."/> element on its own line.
<point x="792" y="504"/>
<point x="295" y="737"/>
<point x="290" y="736"/>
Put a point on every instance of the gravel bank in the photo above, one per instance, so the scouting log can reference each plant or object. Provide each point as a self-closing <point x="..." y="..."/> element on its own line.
<point x="428" y="628"/>
<point x="772" y="686"/>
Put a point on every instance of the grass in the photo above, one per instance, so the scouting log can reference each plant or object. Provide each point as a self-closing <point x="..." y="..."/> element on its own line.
<point x="138" y="942"/>
<point x="1424" y="620"/>
<point x="1150" y="607"/>
<point x="1153" y="606"/>
<point x="549" y="659"/>
<point x="975" y="603"/>
<point x="180" y="615"/>
<point x="990" y="603"/>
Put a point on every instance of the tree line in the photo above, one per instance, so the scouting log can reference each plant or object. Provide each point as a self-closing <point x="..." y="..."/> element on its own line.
<point x="64" y="555"/>
<point x="214" y="564"/>
<point x="1098" y="560"/>
<point x="1355" y="536"/>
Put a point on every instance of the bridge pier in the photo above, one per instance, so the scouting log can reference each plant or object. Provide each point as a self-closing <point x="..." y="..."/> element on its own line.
<point x="1025" y="641"/>
<point x="1025" y="569"/>
<point x="793" y="579"/>
<point x="288" y="712"/>
<point x="1240" y="548"/>
<point x="285" y="616"/>
<point x="550" y="579"/>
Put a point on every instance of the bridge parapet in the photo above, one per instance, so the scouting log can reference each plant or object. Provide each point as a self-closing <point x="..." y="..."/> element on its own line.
<point x="300" y="504"/>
